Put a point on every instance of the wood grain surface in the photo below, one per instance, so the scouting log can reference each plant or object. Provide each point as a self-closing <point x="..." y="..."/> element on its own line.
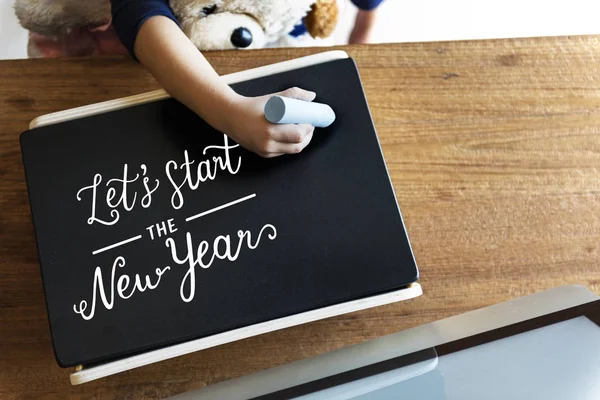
<point x="494" y="152"/>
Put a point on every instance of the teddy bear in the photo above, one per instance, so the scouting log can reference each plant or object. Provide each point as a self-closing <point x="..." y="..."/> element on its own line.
<point x="82" y="27"/>
<point x="236" y="24"/>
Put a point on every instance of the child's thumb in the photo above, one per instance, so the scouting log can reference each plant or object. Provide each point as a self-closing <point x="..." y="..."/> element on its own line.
<point x="297" y="93"/>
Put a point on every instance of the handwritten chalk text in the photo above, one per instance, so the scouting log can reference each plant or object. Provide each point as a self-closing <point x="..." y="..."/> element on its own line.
<point x="117" y="194"/>
<point x="204" y="256"/>
<point x="161" y="228"/>
<point x="122" y="285"/>
<point x="205" y="171"/>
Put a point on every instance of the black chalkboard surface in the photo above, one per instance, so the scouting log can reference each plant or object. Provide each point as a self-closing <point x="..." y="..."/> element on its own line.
<point x="153" y="228"/>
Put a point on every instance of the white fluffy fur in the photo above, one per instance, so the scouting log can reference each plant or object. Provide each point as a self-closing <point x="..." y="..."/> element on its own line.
<point x="214" y="31"/>
<point x="267" y="20"/>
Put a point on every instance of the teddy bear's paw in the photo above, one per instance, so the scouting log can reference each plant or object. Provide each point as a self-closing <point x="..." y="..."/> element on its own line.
<point x="323" y="18"/>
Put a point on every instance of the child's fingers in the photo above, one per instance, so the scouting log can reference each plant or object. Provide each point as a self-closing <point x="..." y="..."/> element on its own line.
<point x="297" y="93"/>
<point x="270" y="155"/>
<point x="291" y="148"/>
<point x="290" y="133"/>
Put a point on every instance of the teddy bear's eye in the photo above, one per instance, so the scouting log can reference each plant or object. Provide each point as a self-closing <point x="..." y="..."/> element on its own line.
<point x="209" y="9"/>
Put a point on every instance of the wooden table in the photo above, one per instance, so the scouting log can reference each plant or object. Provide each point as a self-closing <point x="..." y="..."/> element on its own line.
<point x="494" y="152"/>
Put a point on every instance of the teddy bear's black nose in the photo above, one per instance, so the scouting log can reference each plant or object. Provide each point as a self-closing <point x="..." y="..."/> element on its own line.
<point x="241" y="37"/>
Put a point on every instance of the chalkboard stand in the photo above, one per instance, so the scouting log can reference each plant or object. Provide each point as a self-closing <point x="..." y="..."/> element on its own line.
<point x="83" y="374"/>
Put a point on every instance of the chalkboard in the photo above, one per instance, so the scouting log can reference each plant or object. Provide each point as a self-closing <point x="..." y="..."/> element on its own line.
<point x="154" y="229"/>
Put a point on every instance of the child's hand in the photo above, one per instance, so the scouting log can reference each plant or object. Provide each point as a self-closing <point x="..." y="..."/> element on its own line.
<point x="186" y="75"/>
<point x="248" y="126"/>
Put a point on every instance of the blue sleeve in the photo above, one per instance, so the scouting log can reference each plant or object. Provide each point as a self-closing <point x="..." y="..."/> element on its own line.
<point x="129" y="15"/>
<point x="367" y="4"/>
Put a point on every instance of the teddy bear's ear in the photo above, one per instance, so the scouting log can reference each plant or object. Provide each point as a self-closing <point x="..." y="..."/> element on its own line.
<point x="322" y="18"/>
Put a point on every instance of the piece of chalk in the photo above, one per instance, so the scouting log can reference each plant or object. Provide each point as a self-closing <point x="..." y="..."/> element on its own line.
<point x="285" y="110"/>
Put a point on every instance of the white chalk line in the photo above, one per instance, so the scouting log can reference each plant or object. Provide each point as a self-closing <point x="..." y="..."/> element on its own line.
<point x="212" y="210"/>
<point x="112" y="246"/>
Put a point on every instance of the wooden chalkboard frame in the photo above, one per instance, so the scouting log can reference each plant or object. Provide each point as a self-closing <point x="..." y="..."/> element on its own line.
<point x="86" y="374"/>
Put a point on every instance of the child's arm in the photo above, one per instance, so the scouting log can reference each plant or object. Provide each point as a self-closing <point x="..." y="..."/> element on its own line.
<point x="186" y="75"/>
<point x="365" y="21"/>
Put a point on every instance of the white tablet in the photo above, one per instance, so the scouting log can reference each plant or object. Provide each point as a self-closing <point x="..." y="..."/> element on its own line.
<point x="544" y="346"/>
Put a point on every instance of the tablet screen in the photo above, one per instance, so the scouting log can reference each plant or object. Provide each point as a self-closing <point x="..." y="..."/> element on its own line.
<point x="560" y="359"/>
